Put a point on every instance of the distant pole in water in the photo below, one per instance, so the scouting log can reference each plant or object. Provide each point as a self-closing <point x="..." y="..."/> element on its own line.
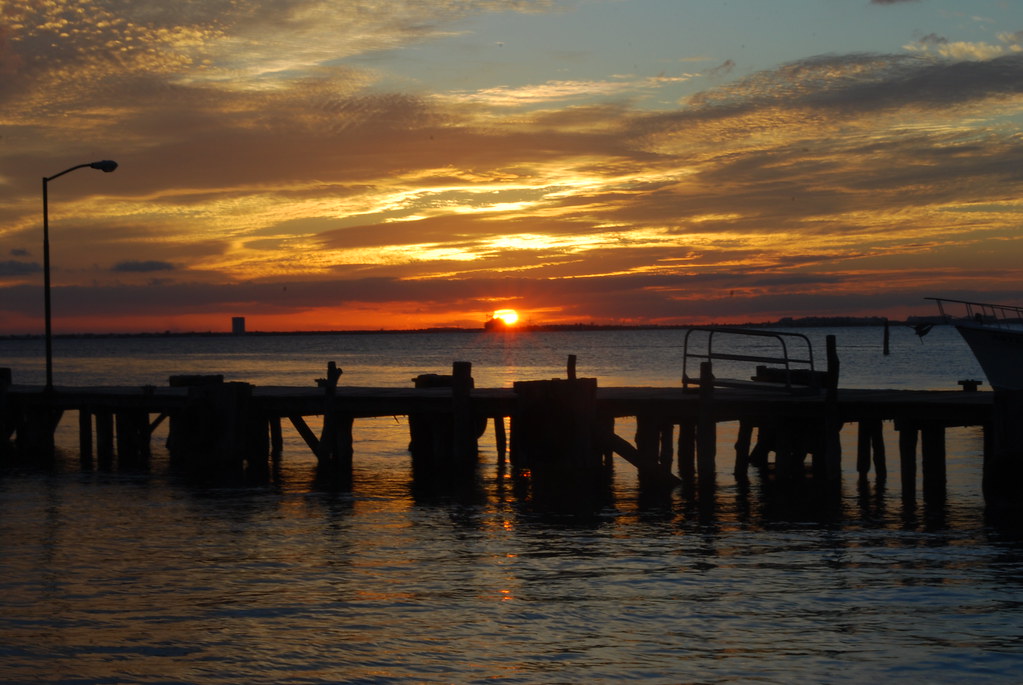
<point x="887" y="336"/>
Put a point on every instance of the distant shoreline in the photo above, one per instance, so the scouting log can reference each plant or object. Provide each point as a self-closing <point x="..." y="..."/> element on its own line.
<point x="805" y="322"/>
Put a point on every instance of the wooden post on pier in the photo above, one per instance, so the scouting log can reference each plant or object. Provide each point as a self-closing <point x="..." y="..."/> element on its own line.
<point x="464" y="430"/>
<point x="335" y="448"/>
<point x="743" y="442"/>
<point x="654" y="453"/>
<point x="930" y="436"/>
<point x="555" y="429"/>
<point x="706" y="429"/>
<point x="443" y="441"/>
<point x="219" y="432"/>
<point x="178" y="426"/>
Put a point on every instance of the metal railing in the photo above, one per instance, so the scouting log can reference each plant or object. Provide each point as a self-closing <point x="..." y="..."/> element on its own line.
<point x="984" y="313"/>
<point x="790" y="371"/>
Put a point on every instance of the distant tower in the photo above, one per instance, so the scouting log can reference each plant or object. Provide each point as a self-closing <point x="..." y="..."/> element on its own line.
<point x="238" y="325"/>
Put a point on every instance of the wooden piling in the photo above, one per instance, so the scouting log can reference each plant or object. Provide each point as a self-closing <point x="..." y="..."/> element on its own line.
<point x="85" y="438"/>
<point x="743" y="441"/>
<point x="276" y="438"/>
<point x="832" y="445"/>
<point x="220" y="433"/>
<point x="870" y="449"/>
<point x="440" y="440"/>
<point x="555" y="426"/>
<point x="706" y="428"/>
<point x="334" y="449"/>
<point x="465" y="428"/>
<point x="932" y="457"/>
<point x="687" y="452"/>
<point x="907" y="456"/>
<point x="105" y="439"/>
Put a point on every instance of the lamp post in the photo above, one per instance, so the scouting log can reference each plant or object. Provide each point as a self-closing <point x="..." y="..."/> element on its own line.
<point x="105" y="166"/>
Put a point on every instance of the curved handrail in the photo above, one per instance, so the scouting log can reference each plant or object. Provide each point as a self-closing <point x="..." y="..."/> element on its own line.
<point x="785" y="359"/>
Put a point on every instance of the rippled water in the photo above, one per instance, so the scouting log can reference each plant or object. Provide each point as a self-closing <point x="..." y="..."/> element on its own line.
<point x="145" y="577"/>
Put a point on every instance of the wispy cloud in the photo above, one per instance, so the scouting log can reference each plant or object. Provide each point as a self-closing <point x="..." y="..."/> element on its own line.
<point x="260" y="167"/>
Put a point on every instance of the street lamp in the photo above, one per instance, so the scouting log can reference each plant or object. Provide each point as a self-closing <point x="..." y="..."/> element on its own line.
<point x="105" y="166"/>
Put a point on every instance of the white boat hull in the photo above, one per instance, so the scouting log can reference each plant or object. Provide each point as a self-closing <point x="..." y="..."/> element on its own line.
<point x="999" y="351"/>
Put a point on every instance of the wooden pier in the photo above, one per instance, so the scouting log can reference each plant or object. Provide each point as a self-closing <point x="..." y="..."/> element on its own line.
<point x="560" y="428"/>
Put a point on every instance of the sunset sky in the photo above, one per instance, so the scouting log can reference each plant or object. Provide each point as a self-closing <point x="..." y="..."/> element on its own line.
<point x="367" y="164"/>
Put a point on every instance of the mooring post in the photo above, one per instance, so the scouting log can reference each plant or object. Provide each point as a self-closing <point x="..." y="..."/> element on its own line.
<point x="706" y="428"/>
<point x="571" y="367"/>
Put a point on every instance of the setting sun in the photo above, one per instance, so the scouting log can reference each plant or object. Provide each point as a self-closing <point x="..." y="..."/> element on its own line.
<point x="507" y="316"/>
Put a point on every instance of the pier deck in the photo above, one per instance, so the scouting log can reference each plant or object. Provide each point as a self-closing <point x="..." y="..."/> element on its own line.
<point x="244" y="420"/>
<point x="730" y="404"/>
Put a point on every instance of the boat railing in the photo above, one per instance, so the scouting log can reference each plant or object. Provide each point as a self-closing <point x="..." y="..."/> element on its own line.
<point x="985" y="313"/>
<point x="788" y="364"/>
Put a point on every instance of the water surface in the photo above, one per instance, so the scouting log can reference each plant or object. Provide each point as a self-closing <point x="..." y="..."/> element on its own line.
<point x="146" y="577"/>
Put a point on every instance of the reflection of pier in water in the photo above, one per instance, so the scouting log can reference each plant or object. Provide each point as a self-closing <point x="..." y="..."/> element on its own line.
<point x="562" y="430"/>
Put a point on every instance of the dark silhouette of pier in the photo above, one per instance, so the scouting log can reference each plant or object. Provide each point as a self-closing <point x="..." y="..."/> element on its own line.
<point x="562" y="430"/>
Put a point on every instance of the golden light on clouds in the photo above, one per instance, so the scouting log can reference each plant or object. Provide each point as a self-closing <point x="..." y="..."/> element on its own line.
<point x="433" y="160"/>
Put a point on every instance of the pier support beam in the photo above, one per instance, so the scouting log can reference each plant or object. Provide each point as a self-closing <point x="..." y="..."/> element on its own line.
<point x="930" y="436"/>
<point x="870" y="449"/>
<point x="907" y="456"/>
<point x="706" y="429"/>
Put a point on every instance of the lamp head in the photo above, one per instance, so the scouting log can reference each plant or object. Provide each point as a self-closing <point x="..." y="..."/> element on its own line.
<point x="105" y="166"/>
